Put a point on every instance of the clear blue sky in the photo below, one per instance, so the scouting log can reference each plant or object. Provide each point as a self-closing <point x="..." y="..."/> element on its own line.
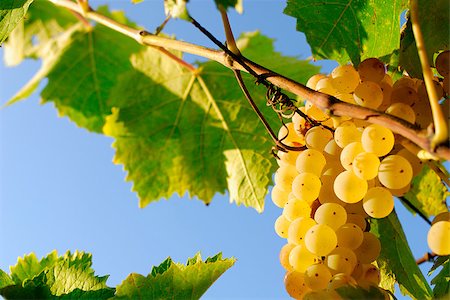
<point x="60" y="190"/>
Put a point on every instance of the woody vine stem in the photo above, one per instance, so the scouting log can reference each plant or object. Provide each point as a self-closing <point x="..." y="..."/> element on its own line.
<point x="328" y="103"/>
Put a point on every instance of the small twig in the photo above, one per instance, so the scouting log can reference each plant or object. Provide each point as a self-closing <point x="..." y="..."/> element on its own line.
<point x="163" y="24"/>
<point x="428" y="257"/>
<point x="81" y="18"/>
<point x="244" y="89"/>
<point x="415" y="209"/>
<point x="440" y="125"/>
<point x="231" y="42"/>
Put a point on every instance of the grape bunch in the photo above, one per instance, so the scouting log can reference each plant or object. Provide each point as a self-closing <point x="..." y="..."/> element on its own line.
<point x="349" y="171"/>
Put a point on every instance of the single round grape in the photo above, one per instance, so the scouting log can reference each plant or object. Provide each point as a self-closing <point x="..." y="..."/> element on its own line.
<point x="317" y="276"/>
<point x="404" y="94"/>
<point x="327" y="194"/>
<point x="369" y="250"/>
<point x="349" y="153"/>
<point x="298" y="229"/>
<point x="349" y="188"/>
<point x="357" y="219"/>
<point x="442" y="63"/>
<point x="284" y="177"/>
<point x="312" y="82"/>
<point x="404" y="81"/>
<point x="395" y="172"/>
<point x="281" y="226"/>
<point x="377" y="139"/>
<point x="310" y="161"/>
<point x="288" y="135"/>
<point x="284" y="256"/>
<point x="402" y="111"/>
<point x="345" y="78"/>
<point x="320" y="239"/>
<point x="295" y="285"/>
<point x="331" y="214"/>
<point x="365" y="165"/>
<point x="387" y="92"/>
<point x="326" y="85"/>
<point x="341" y="260"/>
<point x="371" y="274"/>
<point x="306" y="187"/>
<point x="301" y="258"/>
<point x="358" y="271"/>
<point x="332" y="149"/>
<point x="378" y="202"/>
<point x="287" y="158"/>
<point x="317" y="137"/>
<point x="368" y="94"/>
<point x="350" y="236"/>
<point x="296" y="208"/>
<point x="439" y="238"/>
<point x="346" y="133"/>
<point x="339" y="280"/>
<point x="443" y="216"/>
<point x="371" y="69"/>
<point x="279" y="196"/>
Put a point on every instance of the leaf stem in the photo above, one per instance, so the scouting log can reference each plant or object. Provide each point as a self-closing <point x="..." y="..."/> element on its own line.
<point x="440" y="125"/>
<point x="325" y="102"/>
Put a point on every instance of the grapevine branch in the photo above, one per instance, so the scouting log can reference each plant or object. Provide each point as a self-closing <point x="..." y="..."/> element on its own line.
<point x="326" y="102"/>
<point x="427" y="257"/>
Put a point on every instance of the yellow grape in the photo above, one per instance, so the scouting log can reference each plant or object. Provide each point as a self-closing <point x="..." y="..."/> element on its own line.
<point x="443" y="216"/>
<point x="306" y="187"/>
<point x="371" y="69"/>
<point x="357" y="219"/>
<point x="326" y="85"/>
<point x="358" y="271"/>
<point x="284" y="177"/>
<point x="369" y="249"/>
<point x="442" y="63"/>
<point x="298" y="229"/>
<point x="310" y="161"/>
<point x="378" y="202"/>
<point x="404" y="94"/>
<point x="317" y="137"/>
<point x="281" y="226"/>
<point x="341" y="279"/>
<point x="350" y="235"/>
<point x="346" y="133"/>
<point x="400" y="192"/>
<point x="320" y="239"/>
<point x="295" y="285"/>
<point x="341" y="260"/>
<point x="356" y="208"/>
<point x="395" y="172"/>
<point x="386" y="88"/>
<point x="416" y="163"/>
<point x="349" y="188"/>
<point x="423" y="112"/>
<point x="288" y="158"/>
<point x="368" y="94"/>
<point x="439" y="238"/>
<point x="346" y="98"/>
<point x="332" y="149"/>
<point x="422" y="92"/>
<point x="370" y="274"/>
<point x="327" y="194"/>
<point x="317" y="276"/>
<point x="365" y="165"/>
<point x="349" y="153"/>
<point x="279" y="196"/>
<point x="405" y="82"/>
<point x="301" y="258"/>
<point x="317" y="114"/>
<point x="345" y="78"/>
<point x="284" y="256"/>
<point x="331" y="214"/>
<point x="289" y="136"/>
<point x="377" y="139"/>
<point x="402" y="111"/>
<point x="296" y="208"/>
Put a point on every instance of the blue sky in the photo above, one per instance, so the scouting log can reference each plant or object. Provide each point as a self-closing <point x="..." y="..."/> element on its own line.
<point x="60" y="190"/>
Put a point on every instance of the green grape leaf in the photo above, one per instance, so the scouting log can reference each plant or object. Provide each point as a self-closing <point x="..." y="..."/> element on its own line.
<point x="69" y="276"/>
<point x="177" y="131"/>
<point x="349" y="292"/>
<point x="5" y="279"/>
<point x="237" y="4"/>
<point x="441" y="281"/>
<point x="434" y="18"/>
<point x="11" y="12"/>
<point x="396" y="259"/>
<point x="177" y="9"/>
<point x="428" y="193"/>
<point x="346" y="30"/>
<point x="174" y="281"/>
<point x="80" y="82"/>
